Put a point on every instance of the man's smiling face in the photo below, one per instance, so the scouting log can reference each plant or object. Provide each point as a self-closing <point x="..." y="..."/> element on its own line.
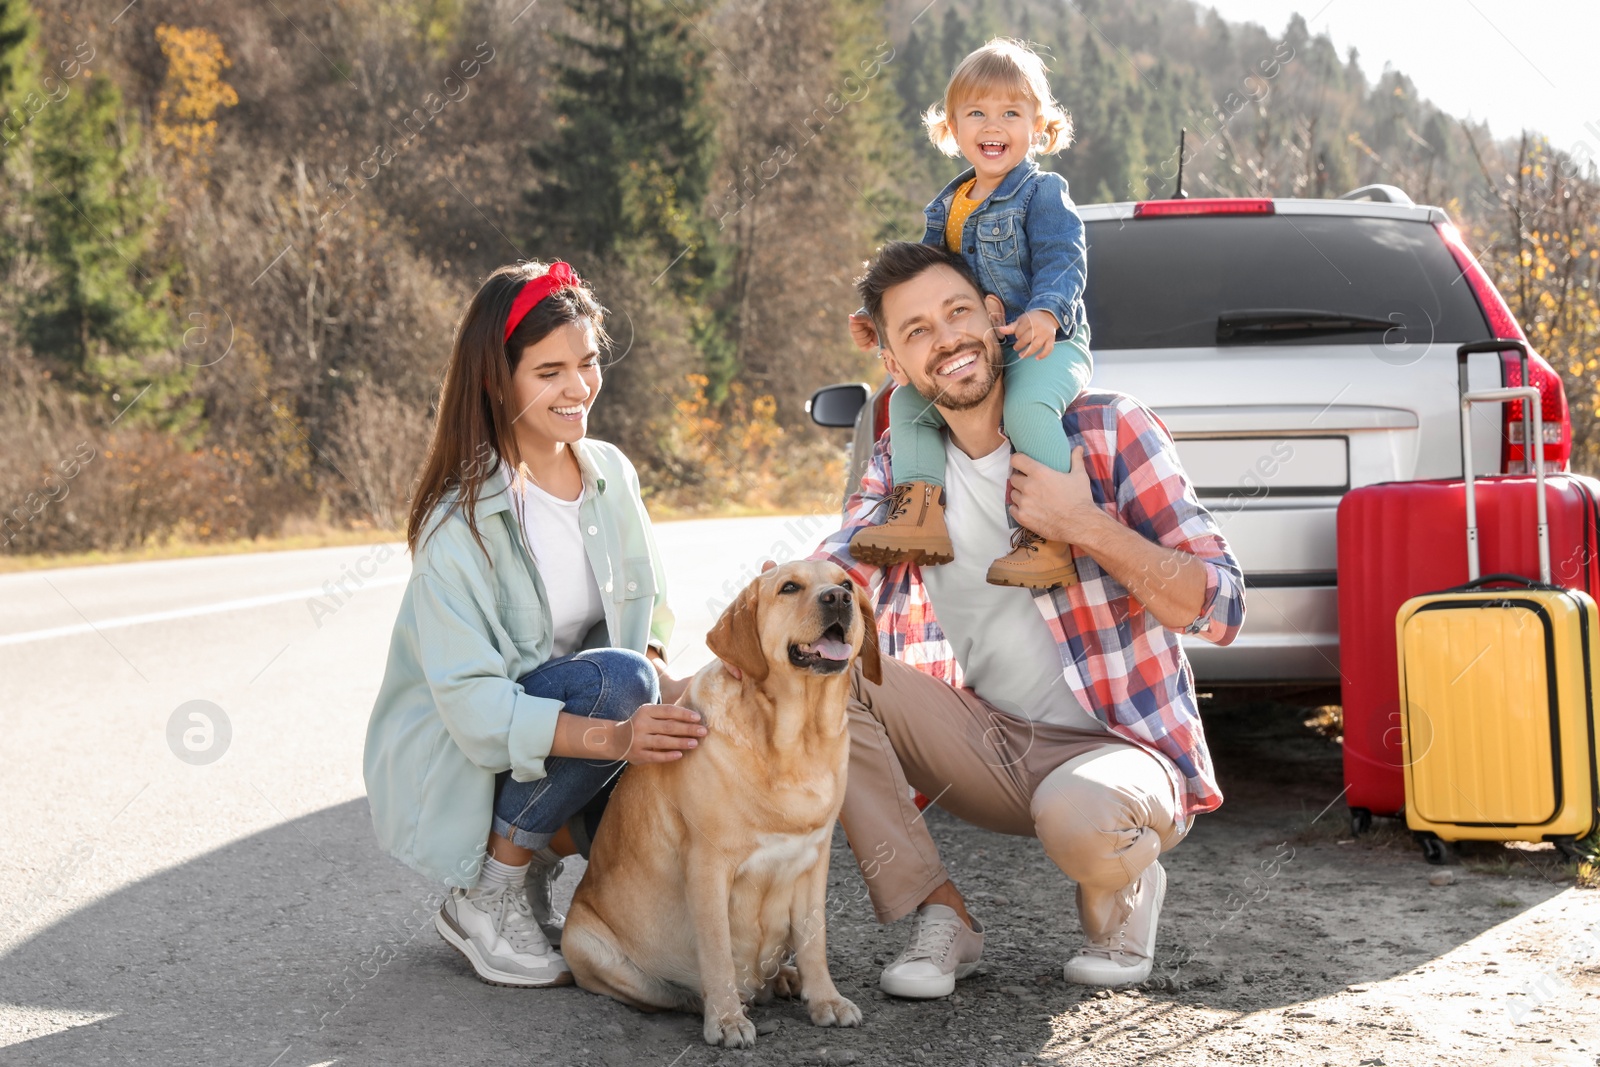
<point x="939" y="337"/>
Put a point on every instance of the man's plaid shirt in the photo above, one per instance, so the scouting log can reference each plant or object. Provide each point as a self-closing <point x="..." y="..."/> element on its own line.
<point x="1126" y="668"/>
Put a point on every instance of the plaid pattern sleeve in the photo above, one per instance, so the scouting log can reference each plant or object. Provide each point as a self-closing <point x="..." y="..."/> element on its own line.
<point x="1155" y="498"/>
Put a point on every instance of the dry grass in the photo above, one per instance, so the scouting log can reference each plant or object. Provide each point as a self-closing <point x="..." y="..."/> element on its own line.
<point x="183" y="549"/>
<point x="1327" y="722"/>
<point x="1589" y="875"/>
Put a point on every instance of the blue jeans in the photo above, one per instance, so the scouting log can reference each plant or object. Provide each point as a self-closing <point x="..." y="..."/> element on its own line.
<point x="601" y="683"/>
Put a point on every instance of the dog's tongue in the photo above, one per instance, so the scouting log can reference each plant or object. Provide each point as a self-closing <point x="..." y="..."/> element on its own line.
<point x="830" y="648"/>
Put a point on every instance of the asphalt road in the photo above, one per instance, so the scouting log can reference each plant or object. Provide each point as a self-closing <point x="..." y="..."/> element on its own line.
<point x="208" y="897"/>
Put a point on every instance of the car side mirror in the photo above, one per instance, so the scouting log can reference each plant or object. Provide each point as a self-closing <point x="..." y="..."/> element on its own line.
<point x="838" y="405"/>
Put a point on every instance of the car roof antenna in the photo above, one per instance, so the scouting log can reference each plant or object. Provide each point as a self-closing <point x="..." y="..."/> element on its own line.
<point x="1178" y="193"/>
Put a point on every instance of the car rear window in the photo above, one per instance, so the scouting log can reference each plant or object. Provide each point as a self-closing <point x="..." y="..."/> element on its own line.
<point x="1161" y="282"/>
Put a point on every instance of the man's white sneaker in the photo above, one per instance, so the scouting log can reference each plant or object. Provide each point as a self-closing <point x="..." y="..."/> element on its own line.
<point x="942" y="949"/>
<point x="540" y="886"/>
<point x="497" y="934"/>
<point x="1127" y="954"/>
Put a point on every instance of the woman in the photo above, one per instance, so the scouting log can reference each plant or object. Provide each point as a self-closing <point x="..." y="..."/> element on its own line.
<point x="526" y="665"/>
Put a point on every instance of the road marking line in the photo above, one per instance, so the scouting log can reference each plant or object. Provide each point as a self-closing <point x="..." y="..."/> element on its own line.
<point x="242" y="604"/>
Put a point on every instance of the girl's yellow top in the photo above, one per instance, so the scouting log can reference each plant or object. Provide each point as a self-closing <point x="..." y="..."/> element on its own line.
<point x="960" y="207"/>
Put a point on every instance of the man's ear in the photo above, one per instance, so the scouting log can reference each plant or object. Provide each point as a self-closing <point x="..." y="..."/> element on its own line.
<point x="892" y="365"/>
<point x="736" y="638"/>
<point x="996" y="308"/>
<point x="871" y="657"/>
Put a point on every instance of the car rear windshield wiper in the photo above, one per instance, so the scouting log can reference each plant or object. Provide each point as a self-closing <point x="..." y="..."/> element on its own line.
<point x="1289" y="324"/>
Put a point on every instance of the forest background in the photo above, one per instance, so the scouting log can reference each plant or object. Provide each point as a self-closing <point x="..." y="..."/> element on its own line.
<point x="235" y="238"/>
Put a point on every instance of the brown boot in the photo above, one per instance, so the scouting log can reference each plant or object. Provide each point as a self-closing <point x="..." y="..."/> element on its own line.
<point x="914" y="531"/>
<point x="1034" y="562"/>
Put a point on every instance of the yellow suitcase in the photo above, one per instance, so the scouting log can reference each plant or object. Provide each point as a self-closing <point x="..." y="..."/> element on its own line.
<point x="1498" y="720"/>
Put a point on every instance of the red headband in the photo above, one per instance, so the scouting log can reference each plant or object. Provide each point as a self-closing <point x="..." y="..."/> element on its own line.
<point x="560" y="276"/>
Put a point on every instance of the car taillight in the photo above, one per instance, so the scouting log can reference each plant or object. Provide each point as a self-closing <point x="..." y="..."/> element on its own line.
<point x="1552" y="394"/>
<point x="1552" y="409"/>
<point x="1218" y="205"/>
<point x="880" y="412"/>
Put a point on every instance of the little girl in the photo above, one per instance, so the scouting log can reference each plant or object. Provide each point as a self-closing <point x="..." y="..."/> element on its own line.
<point x="1015" y="226"/>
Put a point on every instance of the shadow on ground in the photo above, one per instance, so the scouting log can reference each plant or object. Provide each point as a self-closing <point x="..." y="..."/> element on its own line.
<point x="304" y="945"/>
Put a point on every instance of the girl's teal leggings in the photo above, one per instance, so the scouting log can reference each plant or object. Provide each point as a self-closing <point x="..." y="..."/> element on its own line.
<point x="1037" y="394"/>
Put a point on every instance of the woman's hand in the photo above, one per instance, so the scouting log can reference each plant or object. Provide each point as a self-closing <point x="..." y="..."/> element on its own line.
<point x="1033" y="334"/>
<point x="672" y="689"/>
<point x="657" y="733"/>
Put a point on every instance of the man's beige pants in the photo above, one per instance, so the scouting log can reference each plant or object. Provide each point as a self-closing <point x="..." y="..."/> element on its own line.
<point x="1103" y="807"/>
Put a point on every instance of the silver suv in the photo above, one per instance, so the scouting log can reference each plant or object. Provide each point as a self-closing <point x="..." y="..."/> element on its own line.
<point x="1295" y="349"/>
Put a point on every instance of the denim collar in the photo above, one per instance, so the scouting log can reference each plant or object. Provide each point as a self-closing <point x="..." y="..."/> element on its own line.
<point x="1013" y="181"/>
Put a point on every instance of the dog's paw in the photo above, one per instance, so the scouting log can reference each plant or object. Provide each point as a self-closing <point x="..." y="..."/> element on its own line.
<point x="835" y="1011"/>
<point x="787" y="983"/>
<point x="730" y="1030"/>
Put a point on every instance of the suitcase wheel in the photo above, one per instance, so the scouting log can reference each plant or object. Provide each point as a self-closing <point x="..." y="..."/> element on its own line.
<point x="1360" y="821"/>
<point x="1434" y="850"/>
<point x="1567" y="845"/>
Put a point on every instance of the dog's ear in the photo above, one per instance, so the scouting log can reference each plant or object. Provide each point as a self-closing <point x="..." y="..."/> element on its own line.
<point x="871" y="658"/>
<point x="736" y="639"/>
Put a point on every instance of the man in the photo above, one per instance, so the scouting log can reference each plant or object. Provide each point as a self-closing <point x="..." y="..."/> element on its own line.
<point x="1067" y="714"/>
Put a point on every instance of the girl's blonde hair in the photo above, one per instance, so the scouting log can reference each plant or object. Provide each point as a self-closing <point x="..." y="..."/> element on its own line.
<point x="1007" y="65"/>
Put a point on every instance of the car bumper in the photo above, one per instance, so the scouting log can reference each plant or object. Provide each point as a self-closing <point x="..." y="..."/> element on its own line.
<point x="1290" y="634"/>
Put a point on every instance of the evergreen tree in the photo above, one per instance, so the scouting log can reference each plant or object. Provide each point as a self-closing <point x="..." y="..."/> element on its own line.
<point x="101" y="318"/>
<point x="19" y="30"/>
<point x="629" y="171"/>
<point x="19" y="74"/>
<point x="919" y="79"/>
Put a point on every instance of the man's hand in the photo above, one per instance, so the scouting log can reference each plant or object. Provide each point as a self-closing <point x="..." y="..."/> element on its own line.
<point x="1033" y="334"/>
<point x="657" y="733"/>
<point x="1054" y="505"/>
<point x="1169" y="582"/>
<point x="863" y="332"/>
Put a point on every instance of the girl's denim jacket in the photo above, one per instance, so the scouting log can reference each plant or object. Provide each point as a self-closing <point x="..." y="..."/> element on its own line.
<point x="1025" y="243"/>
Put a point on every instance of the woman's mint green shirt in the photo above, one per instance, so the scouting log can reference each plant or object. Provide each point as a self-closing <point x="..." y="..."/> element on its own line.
<point x="450" y="714"/>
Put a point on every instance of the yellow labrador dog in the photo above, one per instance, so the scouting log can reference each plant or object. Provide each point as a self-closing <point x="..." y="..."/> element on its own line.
<point x="711" y="869"/>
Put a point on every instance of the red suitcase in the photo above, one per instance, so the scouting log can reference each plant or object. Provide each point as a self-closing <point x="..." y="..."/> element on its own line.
<point x="1397" y="540"/>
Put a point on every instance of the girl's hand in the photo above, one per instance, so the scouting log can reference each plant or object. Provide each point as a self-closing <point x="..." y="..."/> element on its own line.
<point x="863" y="332"/>
<point x="1034" y="334"/>
<point x="658" y="733"/>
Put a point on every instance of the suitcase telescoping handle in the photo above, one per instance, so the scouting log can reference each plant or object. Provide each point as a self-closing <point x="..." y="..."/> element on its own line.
<point x="1533" y="436"/>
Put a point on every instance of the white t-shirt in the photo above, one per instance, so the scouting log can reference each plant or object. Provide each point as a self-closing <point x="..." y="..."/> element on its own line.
<point x="555" y="537"/>
<point x="1006" y="651"/>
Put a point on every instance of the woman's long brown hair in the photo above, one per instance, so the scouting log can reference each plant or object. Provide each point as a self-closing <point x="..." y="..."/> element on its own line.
<point x="473" y="433"/>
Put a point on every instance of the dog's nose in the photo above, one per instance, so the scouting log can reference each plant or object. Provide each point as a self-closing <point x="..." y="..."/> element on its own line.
<point x="837" y="595"/>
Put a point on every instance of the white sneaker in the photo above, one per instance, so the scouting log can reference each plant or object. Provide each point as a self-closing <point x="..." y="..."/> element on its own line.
<point x="1127" y="954"/>
<point x="942" y="949"/>
<point x="497" y="934"/>
<point x="540" y="887"/>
